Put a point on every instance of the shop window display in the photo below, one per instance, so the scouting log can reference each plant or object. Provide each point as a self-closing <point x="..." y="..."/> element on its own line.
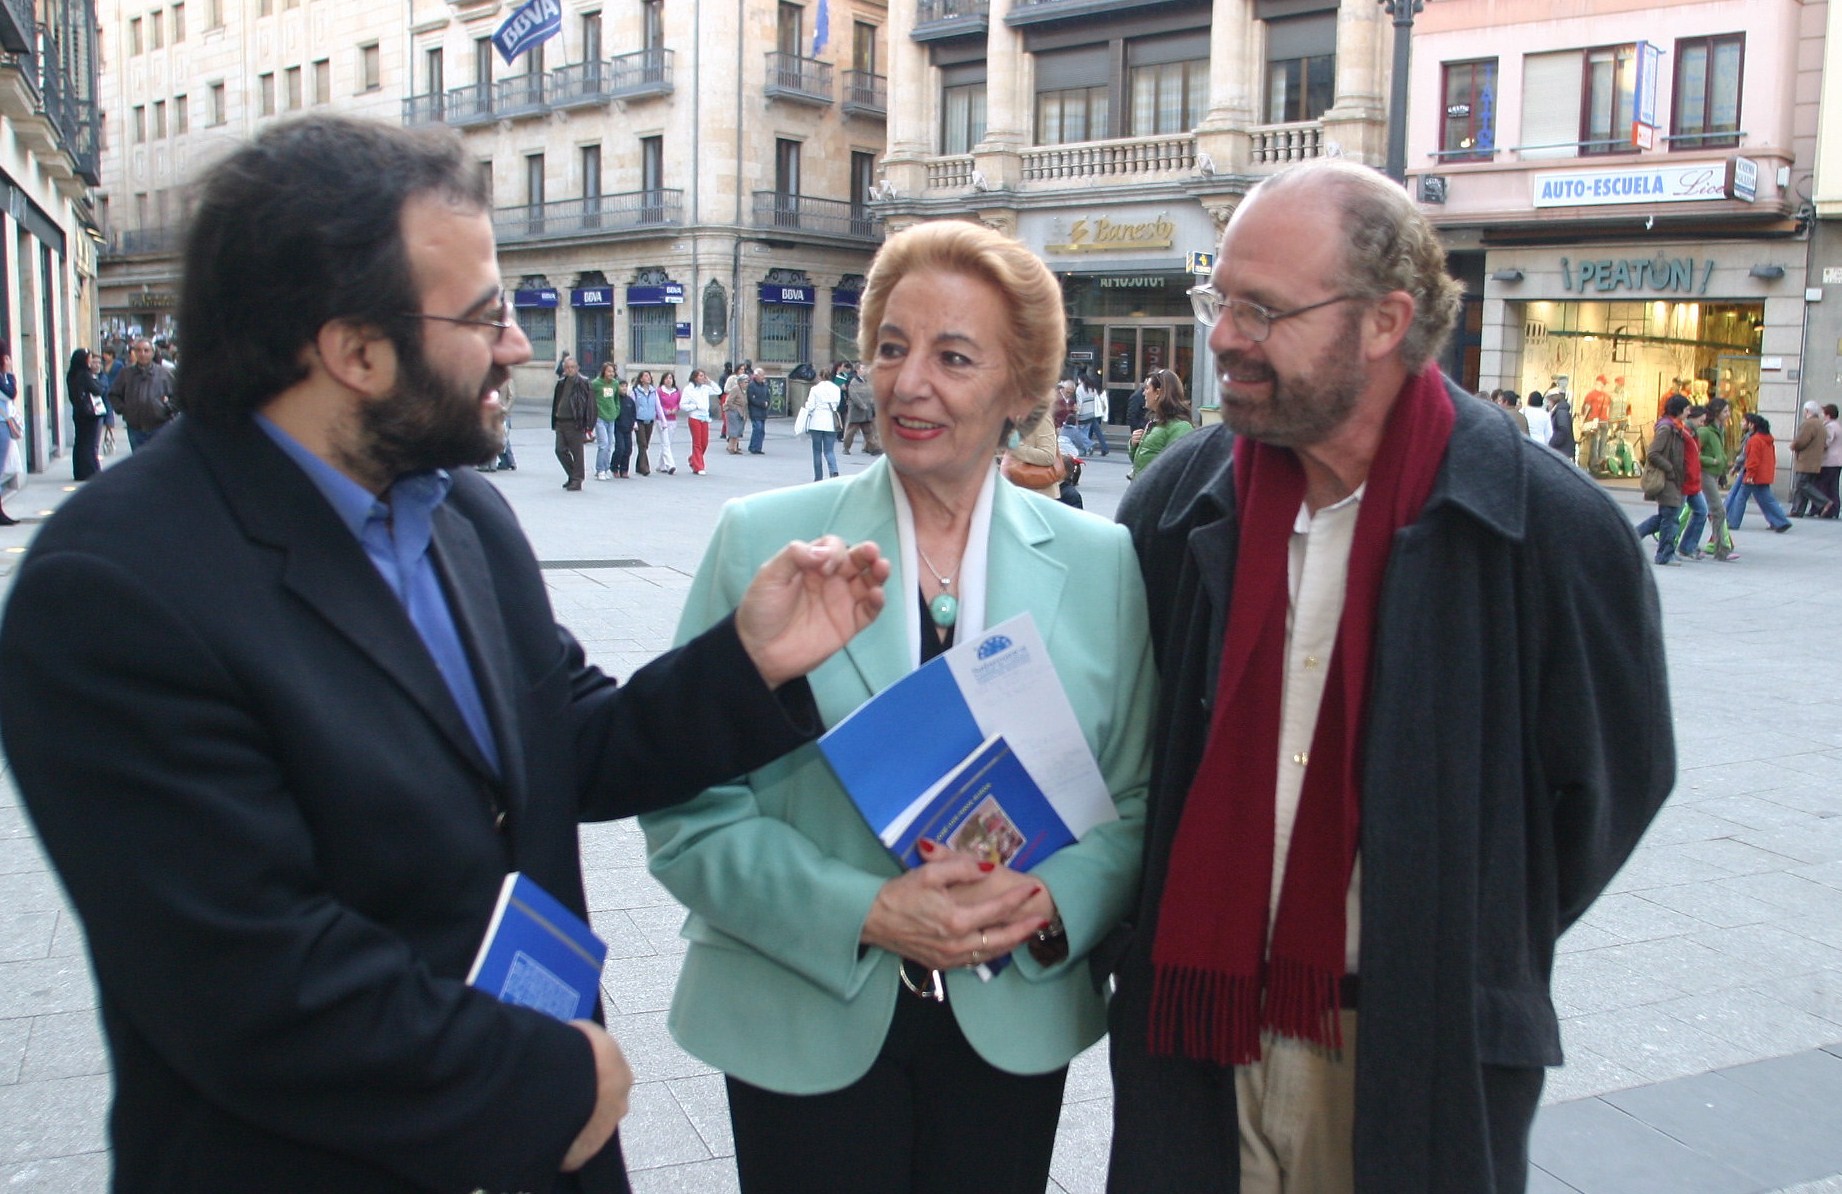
<point x="1618" y="361"/>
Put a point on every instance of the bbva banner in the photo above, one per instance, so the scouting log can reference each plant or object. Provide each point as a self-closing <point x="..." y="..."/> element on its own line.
<point x="529" y="25"/>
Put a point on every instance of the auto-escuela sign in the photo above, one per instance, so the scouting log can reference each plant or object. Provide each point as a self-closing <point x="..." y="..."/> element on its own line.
<point x="1685" y="183"/>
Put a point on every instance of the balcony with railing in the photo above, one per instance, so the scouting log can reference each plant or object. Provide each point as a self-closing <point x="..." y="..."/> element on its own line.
<point x="1278" y="144"/>
<point x="639" y="75"/>
<point x="128" y="241"/>
<point x="865" y="94"/>
<point x="590" y="216"/>
<point x="424" y="109"/>
<point x="936" y="20"/>
<point x="801" y="80"/>
<point x="469" y="105"/>
<point x="821" y="217"/>
<point x="17" y="26"/>
<point x="520" y="95"/>
<point x="1038" y="12"/>
<point x="1124" y="159"/>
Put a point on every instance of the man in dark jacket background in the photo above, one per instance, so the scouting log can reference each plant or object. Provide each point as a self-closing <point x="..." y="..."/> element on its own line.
<point x="142" y="394"/>
<point x="1400" y="648"/>
<point x="572" y="417"/>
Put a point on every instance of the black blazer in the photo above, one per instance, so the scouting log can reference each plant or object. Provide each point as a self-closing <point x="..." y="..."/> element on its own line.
<point x="281" y="838"/>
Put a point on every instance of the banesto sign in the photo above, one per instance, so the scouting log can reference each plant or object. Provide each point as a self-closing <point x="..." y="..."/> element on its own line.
<point x="1100" y="234"/>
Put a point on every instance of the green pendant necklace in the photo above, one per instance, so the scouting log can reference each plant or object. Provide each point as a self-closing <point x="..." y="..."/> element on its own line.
<point x="944" y="609"/>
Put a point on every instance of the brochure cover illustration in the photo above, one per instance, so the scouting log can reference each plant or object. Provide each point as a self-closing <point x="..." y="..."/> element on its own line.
<point x="978" y="749"/>
<point x="538" y="954"/>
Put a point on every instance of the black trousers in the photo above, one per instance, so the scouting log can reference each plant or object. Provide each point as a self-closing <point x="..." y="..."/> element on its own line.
<point x="931" y="1117"/>
<point x="83" y="460"/>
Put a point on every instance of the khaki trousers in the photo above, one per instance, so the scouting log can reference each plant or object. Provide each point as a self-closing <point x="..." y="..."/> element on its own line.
<point x="1297" y="1108"/>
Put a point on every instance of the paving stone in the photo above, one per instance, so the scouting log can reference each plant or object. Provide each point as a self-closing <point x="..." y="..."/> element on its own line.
<point x="623" y="937"/>
<point x="1586" y="1073"/>
<point x="48" y="985"/>
<point x="1600" y="980"/>
<point x="623" y="887"/>
<point x="1638" y="918"/>
<point x="1682" y="964"/>
<point x="1747" y="856"/>
<point x="25" y="936"/>
<point x="662" y="926"/>
<point x="1772" y="950"/>
<point x="66" y="1045"/>
<point x="703" y="1177"/>
<point x="1595" y="1148"/>
<point x="705" y="1102"/>
<point x="1651" y="1043"/>
<point x="1582" y="937"/>
<point x="1543" y="1182"/>
<point x="31" y="891"/>
<point x="21" y="854"/>
<point x="1650" y="869"/>
<point x="13" y="822"/>
<point x="1816" y="994"/>
<point x="1712" y="904"/>
<point x="1089" y="1075"/>
<point x="1083" y="1139"/>
<point x="642" y="984"/>
<point x="58" y="1118"/>
<point x="650" y="1049"/>
<point x="1770" y="1140"/>
<point x="84" y="1173"/>
<point x="1756" y="812"/>
<point x="14" y="1035"/>
<point x="656" y="1131"/>
<point x="69" y="941"/>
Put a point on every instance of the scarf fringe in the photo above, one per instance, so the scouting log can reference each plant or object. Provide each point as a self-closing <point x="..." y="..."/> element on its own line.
<point x="1301" y="1002"/>
<point x="1205" y="1015"/>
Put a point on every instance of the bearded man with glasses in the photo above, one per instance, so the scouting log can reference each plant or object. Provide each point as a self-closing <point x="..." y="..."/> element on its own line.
<point x="1400" y="647"/>
<point x="335" y="708"/>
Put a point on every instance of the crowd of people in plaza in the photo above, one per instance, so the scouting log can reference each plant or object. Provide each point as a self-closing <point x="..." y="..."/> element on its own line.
<point x="353" y="714"/>
<point x="633" y="422"/>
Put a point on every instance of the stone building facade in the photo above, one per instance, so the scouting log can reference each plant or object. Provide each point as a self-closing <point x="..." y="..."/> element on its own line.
<point x="1116" y="136"/>
<point x="674" y="186"/>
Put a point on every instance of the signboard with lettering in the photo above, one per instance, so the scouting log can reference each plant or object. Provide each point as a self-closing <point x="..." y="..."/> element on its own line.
<point x="1644" y="120"/>
<point x="597" y="296"/>
<point x="1202" y="264"/>
<point x="681" y="330"/>
<point x="1682" y="275"/>
<point x="1103" y="234"/>
<point x="1607" y="185"/>
<point x="534" y="298"/>
<point x="786" y="296"/>
<point x="669" y="295"/>
<point x="1745" y="180"/>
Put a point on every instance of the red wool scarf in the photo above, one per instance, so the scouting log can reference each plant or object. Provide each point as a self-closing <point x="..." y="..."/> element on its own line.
<point x="1217" y="985"/>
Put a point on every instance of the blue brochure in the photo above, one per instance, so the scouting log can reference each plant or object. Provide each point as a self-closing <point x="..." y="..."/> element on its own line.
<point x="538" y="954"/>
<point x="991" y="808"/>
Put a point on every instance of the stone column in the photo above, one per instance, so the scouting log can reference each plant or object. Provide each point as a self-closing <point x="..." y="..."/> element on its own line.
<point x="1357" y="122"/>
<point x="913" y="102"/>
<point x="1234" y="86"/>
<point x="998" y="158"/>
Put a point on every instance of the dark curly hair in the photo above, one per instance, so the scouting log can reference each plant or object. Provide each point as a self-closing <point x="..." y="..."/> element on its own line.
<point x="300" y="227"/>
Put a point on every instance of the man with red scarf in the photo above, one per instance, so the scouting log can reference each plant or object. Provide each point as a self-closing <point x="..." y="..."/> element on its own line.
<point x="1400" y="645"/>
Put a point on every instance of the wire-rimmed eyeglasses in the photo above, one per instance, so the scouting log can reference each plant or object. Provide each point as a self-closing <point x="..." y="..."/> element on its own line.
<point x="1250" y="319"/>
<point x="500" y="319"/>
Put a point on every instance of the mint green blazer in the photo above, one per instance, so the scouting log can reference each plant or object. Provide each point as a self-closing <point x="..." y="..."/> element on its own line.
<point x="778" y="870"/>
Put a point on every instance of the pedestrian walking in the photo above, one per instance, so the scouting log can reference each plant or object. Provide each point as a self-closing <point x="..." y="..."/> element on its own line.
<point x="698" y="402"/>
<point x="1761" y="468"/>
<point x="1091" y="403"/>
<point x="572" y="419"/>
<point x="667" y="428"/>
<point x="1710" y="425"/>
<point x="860" y="413"/>
<point x="645" y="397"/>
<point x="820" y="416"/>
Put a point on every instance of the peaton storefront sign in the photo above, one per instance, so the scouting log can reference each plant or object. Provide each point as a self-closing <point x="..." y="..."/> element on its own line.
<point x="1679" y="275"/>
<point x="1689" y="183"/>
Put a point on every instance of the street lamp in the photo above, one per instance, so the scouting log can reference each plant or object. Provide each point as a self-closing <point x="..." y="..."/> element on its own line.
<point x="1403" y="12"/>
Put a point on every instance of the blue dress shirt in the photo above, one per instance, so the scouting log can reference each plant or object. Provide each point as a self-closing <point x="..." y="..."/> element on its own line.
<point x="395" y="531"/>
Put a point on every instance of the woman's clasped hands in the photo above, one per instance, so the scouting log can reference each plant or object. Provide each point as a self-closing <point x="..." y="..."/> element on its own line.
<point x="956" y="910"/>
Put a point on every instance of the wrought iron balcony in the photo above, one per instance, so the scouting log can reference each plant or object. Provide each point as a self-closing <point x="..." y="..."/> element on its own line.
<point x="520" y="95"/>
<point x="865" y="94"/>
<point x="17" y="26"/>
<point x="939" y="19"/>
<point x="595" y="214"/>
<point x="468" y="105"/>
<point x="825" y="217"/>
<point x="424" y="109"/>
<point x="640" y="75"/>
<point x="802" y="80"/>
<point x="1036" y="12"/>
<point x="145" y="240"/>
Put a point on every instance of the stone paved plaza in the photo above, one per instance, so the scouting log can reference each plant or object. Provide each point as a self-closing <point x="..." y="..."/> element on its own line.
<point x="1701" y="998"/>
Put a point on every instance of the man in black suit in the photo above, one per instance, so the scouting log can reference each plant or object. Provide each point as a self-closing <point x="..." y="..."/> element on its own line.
<point x="332" y="708"/>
